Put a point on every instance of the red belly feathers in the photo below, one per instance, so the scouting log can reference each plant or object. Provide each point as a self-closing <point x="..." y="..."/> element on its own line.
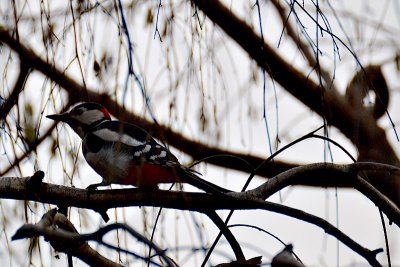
<point x="149" y="175"/>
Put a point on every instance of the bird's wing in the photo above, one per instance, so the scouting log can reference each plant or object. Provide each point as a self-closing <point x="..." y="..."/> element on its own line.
<point x="138" y="143"/>
<point x="130" y="139"/>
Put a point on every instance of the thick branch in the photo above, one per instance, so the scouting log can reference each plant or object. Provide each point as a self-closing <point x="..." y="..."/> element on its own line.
<point x="15" y="188"/>
<point x="333" y="175"/>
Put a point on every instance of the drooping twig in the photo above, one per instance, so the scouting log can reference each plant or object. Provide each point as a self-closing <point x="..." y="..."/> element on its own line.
<point x="63" y="236"/>
<point x="334" y="175"/>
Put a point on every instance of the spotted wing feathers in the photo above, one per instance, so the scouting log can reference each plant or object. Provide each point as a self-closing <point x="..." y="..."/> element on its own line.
<point x="140" y="144"/>
<point x="142" y="148"/>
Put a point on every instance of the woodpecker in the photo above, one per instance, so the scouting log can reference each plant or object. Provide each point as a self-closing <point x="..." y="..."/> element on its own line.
<point x="123" y="153"/>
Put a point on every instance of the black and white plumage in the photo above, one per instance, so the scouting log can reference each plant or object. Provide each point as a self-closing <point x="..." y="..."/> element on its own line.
<point x="123" y="153"/>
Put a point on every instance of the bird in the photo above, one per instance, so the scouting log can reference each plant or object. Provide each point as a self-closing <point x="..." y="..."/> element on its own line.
<point x="285" y="258"/>
<point x="124" y="153"/>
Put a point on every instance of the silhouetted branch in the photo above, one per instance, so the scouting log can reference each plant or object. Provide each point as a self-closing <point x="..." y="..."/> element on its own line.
<point x="227" y="233"/>
<point x="16" y="188"/>
<point x="32" y="147"/>
<point x="18" y="87"/>
<point x="63" y="237"/>
<point x="335" y="108"/>
<point x="98" y="235"/>
<point x="366" y="135"/>
<point x="334" y="175"/>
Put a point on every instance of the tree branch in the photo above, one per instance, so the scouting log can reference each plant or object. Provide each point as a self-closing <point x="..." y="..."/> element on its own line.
<point x="18" y="87"/>
<point x="363" y="131"/>
<point x="16" y="188"/>
<point x="62" y="235"/>
<point x="32" y="147"/>
<point x="227" y="233"/>
<point x="62" y="239"/>
<point x="302" y="46"/>
<point x="334" y="175"/>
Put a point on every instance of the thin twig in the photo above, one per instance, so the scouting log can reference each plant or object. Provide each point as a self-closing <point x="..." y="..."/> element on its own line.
<point x="18" y="87"/>
<point x="228" y="234"/>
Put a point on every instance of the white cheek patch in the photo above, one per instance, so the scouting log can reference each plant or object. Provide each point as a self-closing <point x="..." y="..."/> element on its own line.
<point x="143" y="151"/>
<point x="89" y="116"/>
<point x="111" y="136"/>
<point x="161" y="155"/>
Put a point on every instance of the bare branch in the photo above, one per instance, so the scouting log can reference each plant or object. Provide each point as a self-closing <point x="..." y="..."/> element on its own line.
<point x="63" y="236"/>
<point x="16" y="188"/>
<point x="32" y="147"/>
<point x="303" y="47"/>
<point x="227" y="233"/>
<point x="334" y="175"/>
<point x="18" y="87"/>
<point x="63" y="240"/>
<point x="329" y="104"/>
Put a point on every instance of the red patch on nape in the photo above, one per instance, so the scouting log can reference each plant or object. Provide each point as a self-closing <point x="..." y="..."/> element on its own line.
<point x="149" y="175"/>
<point x="106" y="113"/>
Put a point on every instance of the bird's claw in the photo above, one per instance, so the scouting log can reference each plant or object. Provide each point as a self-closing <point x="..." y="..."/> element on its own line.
<point x="91" y="189"/>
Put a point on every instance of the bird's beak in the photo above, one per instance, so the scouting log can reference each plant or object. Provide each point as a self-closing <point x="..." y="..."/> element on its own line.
<point x="64" y="117"/>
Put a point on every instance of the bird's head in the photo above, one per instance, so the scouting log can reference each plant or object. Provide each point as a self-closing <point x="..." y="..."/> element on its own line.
<point x="83" y="117"/>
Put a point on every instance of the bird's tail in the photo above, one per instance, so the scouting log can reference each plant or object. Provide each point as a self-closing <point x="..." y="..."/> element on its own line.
<point x="189" y="176"/>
